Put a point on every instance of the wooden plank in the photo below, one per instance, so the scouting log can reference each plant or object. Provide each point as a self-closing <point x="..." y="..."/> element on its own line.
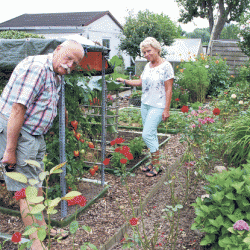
<point x="225" y="44"/>
<point x="229" y="53"/>
<point x="227" y="49"/>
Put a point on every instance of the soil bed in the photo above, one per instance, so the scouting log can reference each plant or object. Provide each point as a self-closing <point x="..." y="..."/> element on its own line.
<point x="105" y="218"/>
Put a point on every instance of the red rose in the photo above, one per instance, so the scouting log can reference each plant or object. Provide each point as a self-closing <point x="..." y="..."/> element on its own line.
<point x="16" y="237"/>
<point x="177" y="99"/>
<point x="216" y="111"/>
<point x="106" y="161"/>
<point x="184" y="109"/>
<point x="20" y="194"/>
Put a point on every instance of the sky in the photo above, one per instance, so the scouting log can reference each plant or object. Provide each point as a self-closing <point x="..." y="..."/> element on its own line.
<point x="119" y="9"/>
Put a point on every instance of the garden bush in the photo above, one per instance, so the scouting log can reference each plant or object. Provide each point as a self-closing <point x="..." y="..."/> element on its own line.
<point x="227" y="202"/>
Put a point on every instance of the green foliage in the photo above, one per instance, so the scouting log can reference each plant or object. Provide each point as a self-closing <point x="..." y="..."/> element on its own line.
<point x="194" y="76"/>
<point x="136" y="146"/>
<point x="238" y="140"/>
<point x="218" y="73"/>
<point x="232" y="11"/>
<point x="245" y="34"/>
<point x="180" y="95"/>
<point x="228" y="202"/>
<point x="203" y="34"/>
<point x="230" y="31"/>
<point x="144" y="24"/>
<point x="13" y="34"/>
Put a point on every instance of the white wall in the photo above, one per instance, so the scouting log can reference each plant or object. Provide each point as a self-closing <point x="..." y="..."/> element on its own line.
<point x="106" y="28"/>
<point x="103" y="28"/>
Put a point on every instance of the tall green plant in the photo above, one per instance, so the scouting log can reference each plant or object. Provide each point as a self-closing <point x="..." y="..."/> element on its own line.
<point x="194" y="77"/>
<point x="238" y="140"/>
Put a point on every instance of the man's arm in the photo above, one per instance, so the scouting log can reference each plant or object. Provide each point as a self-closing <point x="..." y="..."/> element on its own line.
<point x="14" y="126"/>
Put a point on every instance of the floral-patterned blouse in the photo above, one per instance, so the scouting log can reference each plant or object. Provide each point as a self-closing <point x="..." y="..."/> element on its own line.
<point x="153" y="84"/>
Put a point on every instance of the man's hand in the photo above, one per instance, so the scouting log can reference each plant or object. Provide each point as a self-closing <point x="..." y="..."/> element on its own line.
<point x="14" y="126"/>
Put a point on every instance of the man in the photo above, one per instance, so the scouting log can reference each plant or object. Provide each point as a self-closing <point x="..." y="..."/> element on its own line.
<point x="28" y="106"/>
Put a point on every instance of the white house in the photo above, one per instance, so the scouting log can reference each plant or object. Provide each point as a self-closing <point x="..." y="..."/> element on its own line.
<point x="100" y="27"/>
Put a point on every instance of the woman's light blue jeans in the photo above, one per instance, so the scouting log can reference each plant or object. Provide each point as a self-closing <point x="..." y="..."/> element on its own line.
<point x="151" y="117"/>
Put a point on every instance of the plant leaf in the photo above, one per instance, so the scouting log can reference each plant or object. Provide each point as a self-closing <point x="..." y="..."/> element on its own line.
<point x="73" y="227"/>
<point x="17" y="177"/>
<point x="33" y="163"/>
<point x="37" y="209"/>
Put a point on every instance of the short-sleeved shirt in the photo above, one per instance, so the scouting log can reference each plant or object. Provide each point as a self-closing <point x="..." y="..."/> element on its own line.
<point x="34" y="84"/>
<point x="153" y="84"/>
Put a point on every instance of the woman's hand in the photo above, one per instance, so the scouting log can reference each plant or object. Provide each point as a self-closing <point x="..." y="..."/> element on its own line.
<point x="119" y="79"/>
<point x="165" y="114"/>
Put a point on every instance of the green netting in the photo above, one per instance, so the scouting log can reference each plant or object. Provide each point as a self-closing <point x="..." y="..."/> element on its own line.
<point x="12" y="51"/>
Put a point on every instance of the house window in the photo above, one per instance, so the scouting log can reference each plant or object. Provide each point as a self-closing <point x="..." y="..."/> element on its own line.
<point x="106" y="43"/>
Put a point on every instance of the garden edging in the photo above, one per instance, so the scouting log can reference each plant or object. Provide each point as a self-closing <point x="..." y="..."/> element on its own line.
<point x="122" y="230"/>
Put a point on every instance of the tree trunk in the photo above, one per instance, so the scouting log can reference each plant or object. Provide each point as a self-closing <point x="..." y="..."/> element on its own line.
<point x="218" y="28"/>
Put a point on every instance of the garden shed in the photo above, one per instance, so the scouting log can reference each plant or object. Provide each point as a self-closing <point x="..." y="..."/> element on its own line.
<point x="230" y="50"/>
<point x="181" y="49"/>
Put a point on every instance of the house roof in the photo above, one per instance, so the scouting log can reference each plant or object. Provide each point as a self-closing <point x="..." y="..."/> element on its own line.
<point x="56" y="19"/>
<point x="181" y="49"/>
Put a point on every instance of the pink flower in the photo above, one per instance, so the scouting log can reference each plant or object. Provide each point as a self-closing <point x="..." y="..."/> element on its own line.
<point x="193" y="125"/>
<point x="203" y="122"/>
<point x="20" y="194"/>
<point x="241" y="225"/>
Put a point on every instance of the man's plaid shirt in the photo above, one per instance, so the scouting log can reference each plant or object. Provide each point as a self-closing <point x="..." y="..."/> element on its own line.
<point x="33" y="84"/>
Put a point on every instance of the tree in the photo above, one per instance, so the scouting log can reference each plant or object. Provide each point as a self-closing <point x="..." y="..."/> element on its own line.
<point x="245" y="34"/>
<point x="228" y="10"/>
<point x="203" y="34"/>
<point x="144" y="24"/>
<point x="230" y="31"/>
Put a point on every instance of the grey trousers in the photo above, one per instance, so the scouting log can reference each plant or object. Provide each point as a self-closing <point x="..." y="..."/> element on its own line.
<point x="29" y="147"/>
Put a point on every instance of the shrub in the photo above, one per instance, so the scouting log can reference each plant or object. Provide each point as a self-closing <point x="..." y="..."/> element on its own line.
<point x="136" y="146"/>
<point x="218" y="74"/>
<point x="227" y="203"/>
<point x="193" y="76"/>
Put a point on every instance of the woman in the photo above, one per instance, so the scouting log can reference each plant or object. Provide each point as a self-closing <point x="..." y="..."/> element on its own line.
<point x="156" y="81"/>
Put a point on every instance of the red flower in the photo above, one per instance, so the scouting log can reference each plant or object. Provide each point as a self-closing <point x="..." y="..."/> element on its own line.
<point x="106" y="161"/>
<point x="177" y="99"/>
<point x="123" y="161"/>
<point x="124" y="150"/>
<point x="91" y="145"/>
<point x="76" y="153"/>
<point x="119" y="140"/>
<point x="16" y="237"/>
<point x="20" y="194"/>
<point x="112" y="143"/>
<point x="80" y="200"/>
<point x="133" y="221"/>
<point x="117" y="149"/>
<point x="74" y="124"/>
<point x="129" y="156"/>
<point x="184" y="109"/>
<point x="216" y="111"/>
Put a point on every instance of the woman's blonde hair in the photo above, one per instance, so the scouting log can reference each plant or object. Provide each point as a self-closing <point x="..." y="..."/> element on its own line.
<point x="150" y="41"/>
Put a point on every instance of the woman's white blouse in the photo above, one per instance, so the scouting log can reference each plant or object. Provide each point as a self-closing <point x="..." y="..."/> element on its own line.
<point x="153" y="84"/>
